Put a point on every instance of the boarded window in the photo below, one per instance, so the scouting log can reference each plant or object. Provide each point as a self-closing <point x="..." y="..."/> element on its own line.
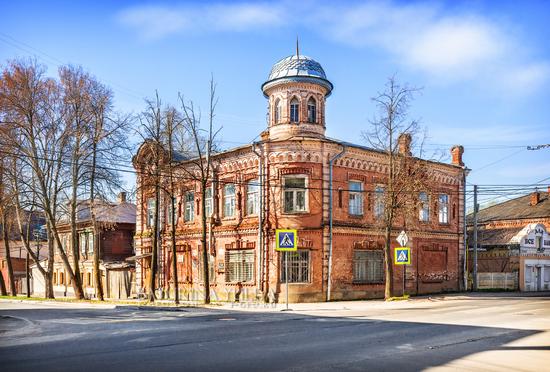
<point x="368" y="266"/>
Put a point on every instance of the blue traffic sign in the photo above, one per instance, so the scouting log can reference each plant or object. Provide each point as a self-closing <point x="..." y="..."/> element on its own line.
<point x="402" y="256"/>
<point x="287" y="240"/>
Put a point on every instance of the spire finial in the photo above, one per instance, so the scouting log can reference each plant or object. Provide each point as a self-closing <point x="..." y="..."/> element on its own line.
<point x="297" y="48"/>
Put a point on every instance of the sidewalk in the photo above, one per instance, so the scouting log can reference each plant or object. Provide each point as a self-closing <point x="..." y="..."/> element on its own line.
<point x="168" y="305"/>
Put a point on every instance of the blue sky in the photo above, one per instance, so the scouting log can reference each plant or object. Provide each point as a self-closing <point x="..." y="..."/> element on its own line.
<point x="484" y="65"/>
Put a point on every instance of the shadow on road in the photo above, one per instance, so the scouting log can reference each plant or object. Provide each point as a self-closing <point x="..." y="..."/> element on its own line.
<point x="212" y="340"/>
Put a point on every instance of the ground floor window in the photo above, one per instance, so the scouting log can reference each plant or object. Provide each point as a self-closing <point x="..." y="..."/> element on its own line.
<point x="298" y="266"/>
<point x="368" y="266"/>
<point x="239" y="266"/>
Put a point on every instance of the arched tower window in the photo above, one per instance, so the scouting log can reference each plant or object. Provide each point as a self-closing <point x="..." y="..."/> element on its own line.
<point x="277" y="111"/>
<point x="294" y="110"/>
<point x="311" y="110"/>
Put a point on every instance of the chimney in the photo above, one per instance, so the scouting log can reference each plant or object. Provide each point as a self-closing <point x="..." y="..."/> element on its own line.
<point x="404" y="143"/>
<point x="122" y="197"/>
<point x="535" y="198"/>
<point x="456" y="155"/>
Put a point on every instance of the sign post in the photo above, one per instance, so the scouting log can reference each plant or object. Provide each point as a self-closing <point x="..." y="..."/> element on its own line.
<point x="402" y="255"/>
<point x="287" y="240"/>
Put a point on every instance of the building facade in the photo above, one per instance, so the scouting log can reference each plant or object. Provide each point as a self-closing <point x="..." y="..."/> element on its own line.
<point x="115" y="232"/>
<point x="513" y="238"/>
<point x="297" y="178"/>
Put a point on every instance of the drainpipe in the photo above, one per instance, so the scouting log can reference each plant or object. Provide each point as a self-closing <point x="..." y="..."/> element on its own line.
<point x="465" y="270"/>
<point x="260" y="216"/>
<point x="330" y="163"/>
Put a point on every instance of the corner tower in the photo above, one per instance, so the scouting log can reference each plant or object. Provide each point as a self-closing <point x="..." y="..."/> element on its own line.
<point x="296" y="88"/>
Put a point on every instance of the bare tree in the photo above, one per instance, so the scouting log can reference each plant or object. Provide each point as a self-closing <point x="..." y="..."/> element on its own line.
<point x="32" y="107"/>
<point x="150" y="175"/>
<point x="6" y="221"/>
<point x="393" y="132"/>
<point x="200" y="167"/>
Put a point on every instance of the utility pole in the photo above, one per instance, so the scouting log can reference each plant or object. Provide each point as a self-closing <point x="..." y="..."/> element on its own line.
<point x="475" y="238"/>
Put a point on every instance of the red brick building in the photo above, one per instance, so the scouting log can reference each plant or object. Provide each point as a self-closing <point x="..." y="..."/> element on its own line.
<point x="284" y="181"/>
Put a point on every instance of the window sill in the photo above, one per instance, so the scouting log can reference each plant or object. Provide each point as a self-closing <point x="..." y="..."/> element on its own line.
<point x="300" y="283"/>
<point x="295" y="213"/>
<point x="366" y="283"/>
<point x="356" y="216"/>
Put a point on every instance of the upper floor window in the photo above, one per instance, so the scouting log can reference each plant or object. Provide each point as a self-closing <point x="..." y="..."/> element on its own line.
<point x="311" y="110"/>
<point x="170" y="211"/>
<point x="443" y="208"/>
<point x="277" y="110"/>
<point x="424" y="211"/>
<point x="189" y="206"/>
<point x="252" y="197"/>
<point x="379" y="201"/>
<point x="150" y="212"/>
<point x="295" y="194"/>
<point x="208" y="201"/>
<point x="355" y="198"/>
<point x="229" y="200"/>
<point x="294" y="110"/>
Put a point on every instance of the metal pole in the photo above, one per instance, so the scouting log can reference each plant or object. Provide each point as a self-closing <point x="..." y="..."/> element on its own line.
<point x="286" y="277"/>
<point x="28" y="277"/>
<point x="475" y="238"/>
<point x="404" y="277"/>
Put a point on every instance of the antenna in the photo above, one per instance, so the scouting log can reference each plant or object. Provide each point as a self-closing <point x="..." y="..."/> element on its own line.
<point x="297" y="48"/>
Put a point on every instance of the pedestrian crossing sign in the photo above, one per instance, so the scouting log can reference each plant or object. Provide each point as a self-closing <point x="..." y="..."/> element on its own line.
<point x="287" y="240"/>
<point x="402" y="256"/>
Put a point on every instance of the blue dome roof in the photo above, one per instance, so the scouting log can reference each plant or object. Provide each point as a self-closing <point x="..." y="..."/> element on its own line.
<point x="297" y="68"/>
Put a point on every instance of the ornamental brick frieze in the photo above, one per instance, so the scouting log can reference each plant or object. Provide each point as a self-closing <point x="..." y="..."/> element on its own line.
<point x="293" y="156"/>
<point x="351" y="231"/>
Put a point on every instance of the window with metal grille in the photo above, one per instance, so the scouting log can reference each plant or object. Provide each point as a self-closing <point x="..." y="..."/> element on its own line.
<point x="298" y="266"/>
<point x="368" y="266"/>
<point x="443" y="208"/>
<point x="311" y="110"/>
<point x="295" y="194"/>
<point x="239" y="266"/>
<point x="355" y="198"/>
<point x="424" y="203"/>
<point x="229" y="200"/>
<point x="252" y="197"/>
<point x="294" y="110"/>
<point x="189" y="206"/>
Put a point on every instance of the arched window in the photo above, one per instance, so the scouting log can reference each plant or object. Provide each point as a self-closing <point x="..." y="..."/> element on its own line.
<point x="311" y="110"/>
<point x="277" y="110"/>
<point x="294" y="110"/>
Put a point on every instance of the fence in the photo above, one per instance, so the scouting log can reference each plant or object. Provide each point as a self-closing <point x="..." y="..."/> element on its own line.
<point x="497" y="281"/>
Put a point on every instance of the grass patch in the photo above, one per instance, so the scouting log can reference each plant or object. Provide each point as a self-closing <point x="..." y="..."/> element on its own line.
<point x="399" y="298"/>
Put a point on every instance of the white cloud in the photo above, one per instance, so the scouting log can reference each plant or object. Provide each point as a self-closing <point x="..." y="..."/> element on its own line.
<point x="423" y="37"/>
<point x="157" y="22"/>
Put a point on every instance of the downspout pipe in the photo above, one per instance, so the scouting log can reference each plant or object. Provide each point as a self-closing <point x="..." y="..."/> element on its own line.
<point x="466" y="172"/>
<point x="260" y="214"/>
<point x="330" y="209"/>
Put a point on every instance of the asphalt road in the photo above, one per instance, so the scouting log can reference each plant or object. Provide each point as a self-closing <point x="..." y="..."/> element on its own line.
<point x="459" y="333"/>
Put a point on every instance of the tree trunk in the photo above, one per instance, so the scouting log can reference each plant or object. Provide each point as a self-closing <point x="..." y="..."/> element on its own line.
<point x="6" y="237"/>
<point x="205" y="248"/>
<point x="174" y="253"/>
<point x="95" y="232"/>
<point x="3" y="291"/>
<point x="388" y="289"/>
<point x="154" y="244"/>
<point x="48" y="278"/>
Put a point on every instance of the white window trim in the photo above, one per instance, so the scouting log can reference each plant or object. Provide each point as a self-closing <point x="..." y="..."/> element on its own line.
<point x="306" y="193"/>
<point x="226" y="197"/>
<point x="424" y="207"/>
<point x="382" y="201"/>
<point x="256" y="197"/>
<point x="443" y="209"/>
<point x="359" y="194"/>
<point x="191" y="205"/>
